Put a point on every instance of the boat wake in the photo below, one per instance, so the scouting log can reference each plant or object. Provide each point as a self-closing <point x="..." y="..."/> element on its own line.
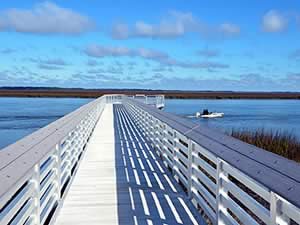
<point x="191" y="116"/>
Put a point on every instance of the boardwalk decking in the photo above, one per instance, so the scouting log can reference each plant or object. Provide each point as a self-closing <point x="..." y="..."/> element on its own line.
<point x="121" y="180"/>
<point x="92" y="197"/>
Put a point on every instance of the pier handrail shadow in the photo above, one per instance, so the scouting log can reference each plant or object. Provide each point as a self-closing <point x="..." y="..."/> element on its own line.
<point x="146" y="191"/>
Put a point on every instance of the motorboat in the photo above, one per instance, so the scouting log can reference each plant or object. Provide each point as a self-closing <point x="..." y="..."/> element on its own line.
<point x="213" y="115"/>
<point x="207" y="114"/>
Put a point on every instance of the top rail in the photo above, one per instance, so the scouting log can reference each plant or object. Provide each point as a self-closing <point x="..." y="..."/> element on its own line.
<point x="156" y="100"/>
<point x="231" y="181"/>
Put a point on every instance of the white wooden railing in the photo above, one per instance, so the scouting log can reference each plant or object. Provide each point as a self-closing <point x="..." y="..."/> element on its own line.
<point x="224" y="182"/>
<point x="155" y="100"/>
<point x="36" y="171"/>
<point x="223" y="192"/>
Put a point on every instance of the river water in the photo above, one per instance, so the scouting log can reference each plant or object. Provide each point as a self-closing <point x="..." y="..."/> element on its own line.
<point x="275" y="115"/>
<point x="21" y="116"/>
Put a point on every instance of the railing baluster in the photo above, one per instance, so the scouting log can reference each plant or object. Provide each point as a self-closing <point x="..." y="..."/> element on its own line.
<point x="190" y="166"/>
<point x="58" y="169"/>
<point x="277" y="217"/>
<point x="37" y="194"/>
<point x="219" y="206"/>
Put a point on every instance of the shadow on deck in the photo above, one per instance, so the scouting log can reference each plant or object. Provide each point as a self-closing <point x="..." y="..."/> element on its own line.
<point x="146" y="191"/>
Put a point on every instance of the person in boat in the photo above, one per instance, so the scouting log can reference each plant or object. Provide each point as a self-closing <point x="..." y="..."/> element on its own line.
<point x="205" y="112"/>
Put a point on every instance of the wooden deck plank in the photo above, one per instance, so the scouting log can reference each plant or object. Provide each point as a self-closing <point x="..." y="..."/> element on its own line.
<point x="92" y="196"/>
<point x="121" y="181"/>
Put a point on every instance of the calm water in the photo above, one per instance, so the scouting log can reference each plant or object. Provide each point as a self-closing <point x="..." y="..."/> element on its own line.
<point x="21" y="116"/>
<point x="283" y="115"/>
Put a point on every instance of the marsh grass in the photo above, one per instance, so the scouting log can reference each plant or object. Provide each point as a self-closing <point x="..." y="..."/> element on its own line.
<point x="281" y="143"/>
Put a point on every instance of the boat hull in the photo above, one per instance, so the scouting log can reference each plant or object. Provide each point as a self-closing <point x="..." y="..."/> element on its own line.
<point x="213" y="115"/>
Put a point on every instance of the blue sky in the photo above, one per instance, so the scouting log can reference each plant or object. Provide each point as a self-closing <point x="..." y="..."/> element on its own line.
<point x="207" y="45"/>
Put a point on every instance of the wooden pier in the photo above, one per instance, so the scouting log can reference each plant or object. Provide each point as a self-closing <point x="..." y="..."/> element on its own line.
<point x="121" y="181"/>
<point x="119" y="160"/>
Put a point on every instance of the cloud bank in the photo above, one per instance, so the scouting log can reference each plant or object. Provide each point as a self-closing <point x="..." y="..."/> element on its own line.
<point x="49" y="64"/>
<point x="163" y="58"/>
<point x="174" y="25"/>
<point x="45" y="18"/>
<point x="209" y="53"/>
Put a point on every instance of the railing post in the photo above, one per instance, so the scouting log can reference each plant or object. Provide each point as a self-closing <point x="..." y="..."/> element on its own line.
<point x="58" y="169"/>
<point x="219" y="189"/>
<point x="174" y="154"/>
<point x="37" y="193"/>
<point x="69" y="153"/>
<point x="190" y="166"/>
<point x="276" y="212"/>
<point x="163" y="140"/>
<point x="82" y="129"/>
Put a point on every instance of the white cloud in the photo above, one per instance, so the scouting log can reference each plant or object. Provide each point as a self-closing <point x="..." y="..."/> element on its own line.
<point x="173" y="25"/>
<point x="177" y="24"/>
<point x="49" y="67"/>
<point x="2" y="24"/>
<point x="295" y="54"/>
<point x="149" y="54"/>
<point x="7" y="50"/>
<point x="120" y="31"/>
<point x="274" y="21"/>
<point x="103" y="51"/>
<point x="45" y="18"/>
<point x="110" y="70"/>
<point x="195" y="65"/>
<point x="293" y="77"/>
<point x="230" y="29"/>
<point x="92" y="63"/>
<point x="49" y="64"/>
<point x="145" y="30"/>
<point x="58" y="62"/>
<point x="52" y="61"/>
<point x="208" y="53"/>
